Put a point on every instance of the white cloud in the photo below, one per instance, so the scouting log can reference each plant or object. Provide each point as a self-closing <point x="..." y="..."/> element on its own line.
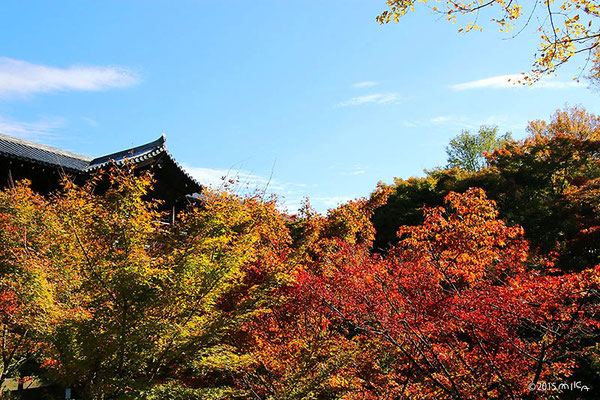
<point x="552" y="84"/>
<point x="511" y="81"/>
<point x="376" y="98"/>
<point x="20" y="77"/>
<point x="440" y="120"/>
<point x="352" y="171"/>
<point x="90" y="121"/>
<point x="290" y="195"/>
<point x="411" y="124"/>
<point x="330" y="202"/>
<point x="357" y="172"/>
<point x="451" y="120"/>
<point x="364" y="84"/>
<point x="470" y="122"/>
<point x="349" y="170"/>
<point x="496" y="82"/>
<point x="27" y="130"/>
<point x="245" y="182"/>
<point x="506" y="123"/>
<point x="238" y="179"/>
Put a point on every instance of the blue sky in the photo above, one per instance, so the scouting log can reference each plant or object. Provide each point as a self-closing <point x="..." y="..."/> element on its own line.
<point x="314" y="92"/>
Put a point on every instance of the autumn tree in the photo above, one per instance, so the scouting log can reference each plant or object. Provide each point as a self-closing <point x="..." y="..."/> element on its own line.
<point x="405" y="206"/>
<point x="538" y="183"/>
<point x="547" y="183"/>
<point x="567" y="28"/>
<point x="304" y="354"/>
<point x="118" y="304"/>
<point x="31" y="287"/>
<point x="237" y="300"/>
<point x="467" y="150"/>
<point x="454" y="311"/>
<point x="574" y="121"/>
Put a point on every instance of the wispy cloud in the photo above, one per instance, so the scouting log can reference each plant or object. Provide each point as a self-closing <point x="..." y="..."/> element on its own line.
<point x="239" y="181"/>
<point x="449" y="120"/>
<point x="495" y="82"/>
<point x="511" y="81"/>
<point x="552" y="84"/>
<point x="290" y="195"/>
<point x="376" y="98"/>
<point x="352" y="170"/>
<point x="45" y="127"/>
<point x="364" y="84"/>
<point x="505" y="122"/>
<point x="90" y="121"/>
<point x="457" y="122"/>
<point x="441" y="119"/>
<point x="356" y="172"/>
<point x="349" y="170"/>
<point x="21" y="78"/>
<point x="331" y="201"/>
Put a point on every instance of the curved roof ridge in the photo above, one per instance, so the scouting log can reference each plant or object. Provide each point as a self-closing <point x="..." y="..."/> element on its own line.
<point x="131" y="154"/>
<point x="144" y="155"/>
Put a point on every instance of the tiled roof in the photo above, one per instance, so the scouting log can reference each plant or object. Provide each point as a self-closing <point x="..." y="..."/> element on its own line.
<point x="138" y="155"/>
<point x="46" y="155"/>
<point x="25" y="150"/>
<point x="134" y="155"/>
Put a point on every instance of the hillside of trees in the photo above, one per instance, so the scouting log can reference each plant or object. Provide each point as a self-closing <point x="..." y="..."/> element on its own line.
<point x="471" y="282"/>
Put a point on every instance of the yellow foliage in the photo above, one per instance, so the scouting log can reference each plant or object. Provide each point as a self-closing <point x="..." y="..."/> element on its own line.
<point x="565" y="27"/>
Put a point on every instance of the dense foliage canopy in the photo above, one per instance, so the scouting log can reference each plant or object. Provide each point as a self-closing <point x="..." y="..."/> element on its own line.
<point x="490" y="285"/>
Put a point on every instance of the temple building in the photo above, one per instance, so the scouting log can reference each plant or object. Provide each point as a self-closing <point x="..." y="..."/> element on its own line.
<point x="44" y="166"/>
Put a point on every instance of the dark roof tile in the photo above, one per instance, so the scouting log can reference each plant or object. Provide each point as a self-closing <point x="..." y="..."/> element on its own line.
<point x="26" y="150"/>
<point x="46" y="155"/>
<point x="133" y="155"/>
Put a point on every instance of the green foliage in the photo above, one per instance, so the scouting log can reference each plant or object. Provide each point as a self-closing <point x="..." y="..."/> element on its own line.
<point x="404" y="207"/>
<point x="540" y="184"/>
<point x="408" y="198"/>
<point x="467" y="151"/>
<point x="546" y="183"/>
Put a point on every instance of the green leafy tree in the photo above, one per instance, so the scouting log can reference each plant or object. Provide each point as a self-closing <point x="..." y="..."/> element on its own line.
<point x="467" y="150"/>
<point x="546" y="183"/>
